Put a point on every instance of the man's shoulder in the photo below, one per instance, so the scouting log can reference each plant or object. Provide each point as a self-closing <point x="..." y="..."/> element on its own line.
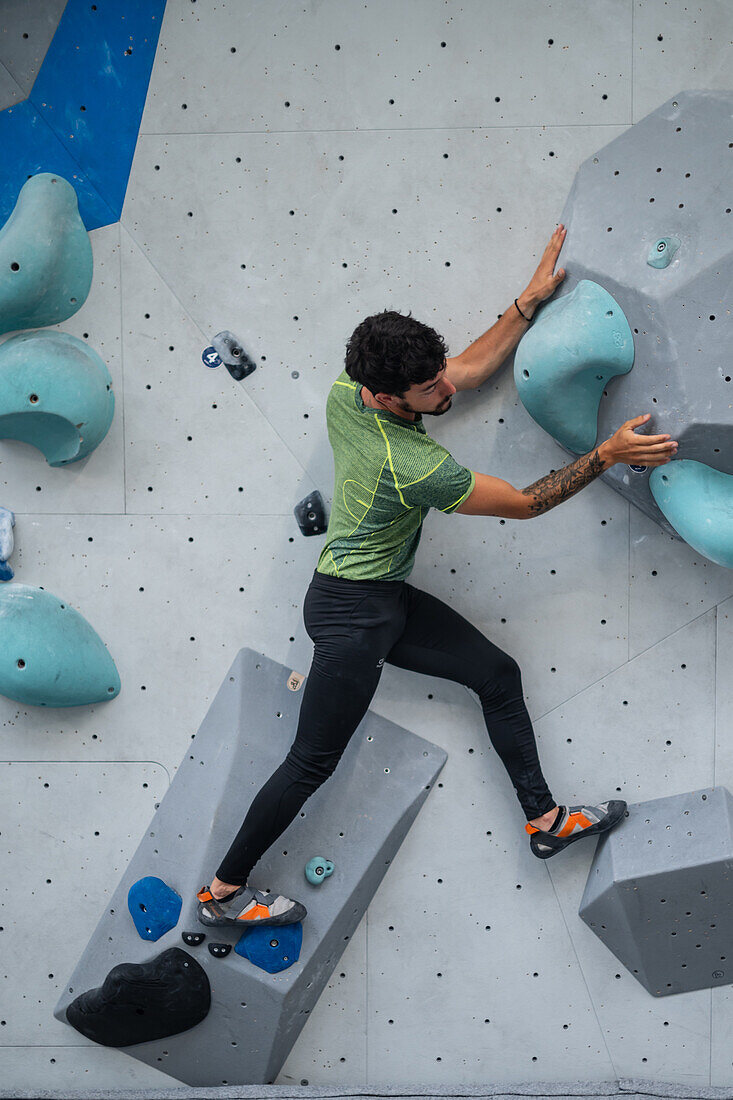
<point x="344" y="380"/>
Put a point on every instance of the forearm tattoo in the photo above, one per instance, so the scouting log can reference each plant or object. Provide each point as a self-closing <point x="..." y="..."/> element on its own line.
<point x="561" y="484"/>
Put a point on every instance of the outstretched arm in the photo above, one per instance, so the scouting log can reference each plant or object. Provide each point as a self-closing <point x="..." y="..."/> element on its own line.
<point x="562" y="484"/>
<point x="493" y="496"/>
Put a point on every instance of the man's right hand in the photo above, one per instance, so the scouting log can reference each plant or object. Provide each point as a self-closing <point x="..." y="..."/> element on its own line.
<point x="643" y="450"/>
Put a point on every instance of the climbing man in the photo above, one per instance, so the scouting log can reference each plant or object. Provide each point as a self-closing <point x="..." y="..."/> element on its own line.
<point x="359" y="610"/>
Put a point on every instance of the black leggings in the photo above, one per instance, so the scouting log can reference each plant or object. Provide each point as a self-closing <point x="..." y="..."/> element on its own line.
<point x="356" y="626"/>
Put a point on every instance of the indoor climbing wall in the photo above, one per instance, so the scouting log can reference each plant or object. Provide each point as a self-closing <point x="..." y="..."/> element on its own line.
<point x="235" y="194"/>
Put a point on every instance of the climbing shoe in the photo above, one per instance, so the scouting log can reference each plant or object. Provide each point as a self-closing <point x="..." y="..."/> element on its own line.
<point x="572" y="823"/>
<point x="246" y="907"/>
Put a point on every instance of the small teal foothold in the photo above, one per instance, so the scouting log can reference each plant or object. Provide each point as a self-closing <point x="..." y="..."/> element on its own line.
<point x="56" y="394"/>
<point x="45" y="256"/>
<point x="154" y="907"/>
<point x="318" y="869"/>
<point x="49" y="654"/>
<point x="698" y="502"/>
<point x="562" y="364"/>
<point x="662" y="251"/>
<point x="272" y="948"/>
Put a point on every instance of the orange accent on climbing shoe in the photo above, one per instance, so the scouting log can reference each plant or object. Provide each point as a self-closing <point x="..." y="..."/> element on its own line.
<point x="572" y="821"/>
<point x="205" y="894"/>
<point x="255" y="914"/>
<point x="530" y="828"/>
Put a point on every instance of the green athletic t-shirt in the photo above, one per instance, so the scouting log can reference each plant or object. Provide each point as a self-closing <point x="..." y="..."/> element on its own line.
<point x="388" y="472"/>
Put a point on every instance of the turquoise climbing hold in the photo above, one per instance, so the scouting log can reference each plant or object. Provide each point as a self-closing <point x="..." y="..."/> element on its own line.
<point x="562" y="364"/>
<point x="56" y="394"/>
<point x="45" y="256"/>
<point x="698" y="502"/>
<point x="49" y="654"/>
<point x="662" y="251"/>
<point x="317" y="869"/>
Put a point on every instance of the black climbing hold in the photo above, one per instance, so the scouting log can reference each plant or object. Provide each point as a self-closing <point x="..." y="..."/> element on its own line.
<point x="233" y="355"/>
<point x="637" y="469"/>
<point x="311" y="514"/>
<point x="193" y="939"/>
<point x="220" y="950"/>
<point x="138" y="1002"/>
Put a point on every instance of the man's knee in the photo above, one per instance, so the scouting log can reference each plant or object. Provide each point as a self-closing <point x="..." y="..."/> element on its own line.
<point x="508" y="669"/>
<point x="500" y="676"/>
<point x="311" y="768"/>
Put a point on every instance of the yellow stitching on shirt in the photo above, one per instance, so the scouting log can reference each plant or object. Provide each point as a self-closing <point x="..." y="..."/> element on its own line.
<point x="334" y="561"/>
<point x="389" y="456"/>
<point x="366" y="538"/>
<point x="462" y="497"/>
<point x="374" y="493"/>
<point x="407" y="484"/>
<point x="363" y="486"/>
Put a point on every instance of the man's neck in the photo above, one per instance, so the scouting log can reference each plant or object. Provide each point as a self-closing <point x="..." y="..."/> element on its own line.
<point x="372" y="403"/>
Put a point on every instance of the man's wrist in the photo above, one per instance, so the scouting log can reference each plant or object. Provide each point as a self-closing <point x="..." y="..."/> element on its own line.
<point x="606" y="455"/>
<point x="528" y="304"/>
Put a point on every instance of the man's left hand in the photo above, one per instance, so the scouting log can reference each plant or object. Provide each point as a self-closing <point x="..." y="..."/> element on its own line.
<point x="546" y="280"/>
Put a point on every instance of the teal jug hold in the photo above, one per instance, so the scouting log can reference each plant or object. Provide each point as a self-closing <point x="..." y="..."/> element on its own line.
<point x="56" y="394"/>
<point x="46" y="262"/>
<point x="49" y="654"/>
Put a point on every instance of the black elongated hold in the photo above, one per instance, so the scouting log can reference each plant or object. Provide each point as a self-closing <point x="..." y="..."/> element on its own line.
<point x="193" y="939"/>
<point x="233" y="356"/>
<point x="220" y="950"/>
<point x="138" y="1002"/>
<point x="311" y="514"/>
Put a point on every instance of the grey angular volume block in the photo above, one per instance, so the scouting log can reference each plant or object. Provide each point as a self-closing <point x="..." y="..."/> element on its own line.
<point x="660" y="891"/>
<point x="358" y="818"/>
<point x="649" y="218"/>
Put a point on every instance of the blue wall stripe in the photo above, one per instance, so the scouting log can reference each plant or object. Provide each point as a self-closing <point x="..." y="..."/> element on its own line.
<point x="100" y="59"/>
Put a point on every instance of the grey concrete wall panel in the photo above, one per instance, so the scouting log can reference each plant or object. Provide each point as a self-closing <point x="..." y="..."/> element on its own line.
<point x="26" y="31"/>
<point x="358" y="819"/>
<point x="664" y="177"/>
<point x="659" y="892"/>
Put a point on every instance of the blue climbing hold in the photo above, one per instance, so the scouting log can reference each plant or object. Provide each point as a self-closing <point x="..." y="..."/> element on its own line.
<point x="663" y="251"/>
<point x="272" y="948"/>
<point x="49" y="654"/>
<point x="576" y="345"/>
<point x="154" y="907"/>
<point x="45" y="256"/>
<point x="698" y="502"/>
<point x="7" y="523"/>
<point x="56" y="394"/>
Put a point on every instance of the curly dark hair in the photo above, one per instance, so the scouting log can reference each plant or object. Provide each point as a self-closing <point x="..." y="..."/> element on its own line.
<point x="389" y="352"/>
